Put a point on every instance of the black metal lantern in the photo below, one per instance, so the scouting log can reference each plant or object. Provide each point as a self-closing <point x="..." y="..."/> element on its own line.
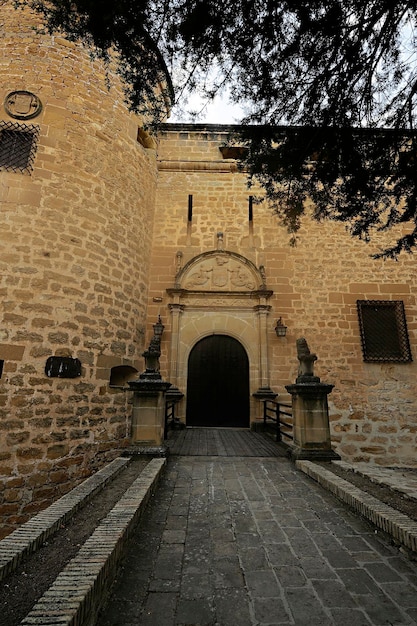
<point x="158" y="328"/>
<point x="280" y="328"/>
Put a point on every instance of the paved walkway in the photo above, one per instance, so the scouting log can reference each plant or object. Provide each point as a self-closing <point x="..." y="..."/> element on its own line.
<point x="252" y="541"/>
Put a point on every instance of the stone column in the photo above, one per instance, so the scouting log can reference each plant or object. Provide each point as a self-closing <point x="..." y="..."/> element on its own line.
<point x="176" y="312"/>
<point x="264" y="392"/>
<point x="262" y="311"/>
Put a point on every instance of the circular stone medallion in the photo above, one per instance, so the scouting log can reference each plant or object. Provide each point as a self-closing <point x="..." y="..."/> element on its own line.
<point x="22" y="105"/>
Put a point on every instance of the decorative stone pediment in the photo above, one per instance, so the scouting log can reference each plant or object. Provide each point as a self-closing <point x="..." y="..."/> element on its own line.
<point x="220" y="270"/>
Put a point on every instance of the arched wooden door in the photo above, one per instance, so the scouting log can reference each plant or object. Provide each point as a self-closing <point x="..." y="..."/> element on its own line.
<point x="218" y="383"/>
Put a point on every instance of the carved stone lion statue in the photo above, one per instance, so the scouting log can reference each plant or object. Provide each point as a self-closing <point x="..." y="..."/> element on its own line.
<point x="306" y="360"/>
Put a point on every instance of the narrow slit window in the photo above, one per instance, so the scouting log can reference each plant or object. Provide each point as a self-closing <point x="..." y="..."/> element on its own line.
<point x="189" y="218"/>
<point x="18" y="144"/>
<point x="190" y="208"/>
<point x="383" y="329"/>
<point x="250" y="209"/>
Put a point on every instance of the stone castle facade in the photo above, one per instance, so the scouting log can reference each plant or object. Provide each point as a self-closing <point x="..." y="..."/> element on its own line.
<point x="104" y="228"/>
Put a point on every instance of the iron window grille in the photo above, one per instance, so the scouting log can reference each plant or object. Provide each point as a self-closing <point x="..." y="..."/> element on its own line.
<point x="18" y="144"/>
<point x="383" y="329"/>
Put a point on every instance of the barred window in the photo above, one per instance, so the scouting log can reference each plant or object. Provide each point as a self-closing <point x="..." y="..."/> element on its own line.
<point x="18" y="146"/>
<point x="383" y="330"/>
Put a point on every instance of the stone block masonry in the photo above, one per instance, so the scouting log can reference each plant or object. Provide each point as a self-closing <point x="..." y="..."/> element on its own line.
<point x="75" y="242"/>
<point x="315" y="285"/>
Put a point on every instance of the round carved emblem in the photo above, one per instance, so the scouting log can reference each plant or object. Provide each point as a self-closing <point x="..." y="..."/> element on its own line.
<point x="22" y="105"/>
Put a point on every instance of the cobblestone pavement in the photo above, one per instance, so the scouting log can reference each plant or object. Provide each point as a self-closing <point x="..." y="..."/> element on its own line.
<point x="252" y="541"/>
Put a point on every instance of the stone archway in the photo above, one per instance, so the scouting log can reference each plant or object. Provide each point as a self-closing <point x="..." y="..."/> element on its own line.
<point x="220" y="292"/>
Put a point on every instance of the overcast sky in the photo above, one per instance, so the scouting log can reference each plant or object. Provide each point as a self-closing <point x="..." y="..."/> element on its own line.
<point x="220" y="111"/>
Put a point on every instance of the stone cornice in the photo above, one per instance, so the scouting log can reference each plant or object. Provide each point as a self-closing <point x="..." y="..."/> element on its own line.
<point x="258" y="293"/>
<point x="223" y="165"/>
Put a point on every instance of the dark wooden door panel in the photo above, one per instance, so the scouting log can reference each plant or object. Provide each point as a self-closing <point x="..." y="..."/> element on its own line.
<point x="218" y="383"/>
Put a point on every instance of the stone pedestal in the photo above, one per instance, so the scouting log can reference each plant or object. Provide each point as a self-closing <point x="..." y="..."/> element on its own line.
<point x="311" y="421"/>
<point x="148" y="414"/>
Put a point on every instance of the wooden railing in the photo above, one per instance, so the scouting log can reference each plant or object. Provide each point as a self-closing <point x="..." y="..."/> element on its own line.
<point x="273" y="412"/>
<point x="169" y="415"/>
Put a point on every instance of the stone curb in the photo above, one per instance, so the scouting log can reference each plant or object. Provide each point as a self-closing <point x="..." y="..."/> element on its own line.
<point x="75" y="596"/>
<point x="400" y="527"/>
<point x="30" y="536"/>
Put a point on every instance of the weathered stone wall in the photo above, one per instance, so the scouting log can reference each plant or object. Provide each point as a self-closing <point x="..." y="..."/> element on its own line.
<point x="74" y="256"/>
<point x="316" y="285"/>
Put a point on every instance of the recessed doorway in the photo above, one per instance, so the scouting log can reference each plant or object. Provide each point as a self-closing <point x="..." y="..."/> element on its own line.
<point x="218" y="383"/>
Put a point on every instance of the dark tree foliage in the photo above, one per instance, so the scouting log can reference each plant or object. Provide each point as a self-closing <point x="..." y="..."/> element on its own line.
<point x="330" y="87"/>
<point x="363" y="177"/>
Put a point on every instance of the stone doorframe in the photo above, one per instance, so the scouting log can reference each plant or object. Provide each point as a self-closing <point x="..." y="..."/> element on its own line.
<point x="220" y="292"/>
